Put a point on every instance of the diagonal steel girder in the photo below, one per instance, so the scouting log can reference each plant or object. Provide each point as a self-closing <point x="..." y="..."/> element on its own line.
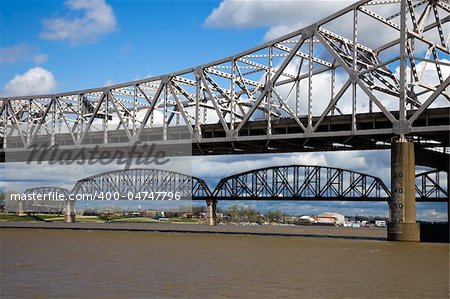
<point x="235" y="91"/>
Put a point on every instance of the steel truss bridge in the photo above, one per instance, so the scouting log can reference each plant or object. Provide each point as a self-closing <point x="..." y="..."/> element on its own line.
<point x="353" y="80"/>
<point x="431" y="185"/>
<point x="304" y="182"/>
<point x="45" y="205"/>
<point x="298" y="182"/>
<point x="135" y="181"/>
<point x="47" y="190"/>
<point x="293" y="182"/>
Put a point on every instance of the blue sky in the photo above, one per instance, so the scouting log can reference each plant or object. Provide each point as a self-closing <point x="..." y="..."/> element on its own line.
<point x="55" y="46"/>
<point x="149" y="38"/>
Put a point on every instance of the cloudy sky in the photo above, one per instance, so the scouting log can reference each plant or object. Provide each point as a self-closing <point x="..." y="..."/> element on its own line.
<point x="55" y="46"/>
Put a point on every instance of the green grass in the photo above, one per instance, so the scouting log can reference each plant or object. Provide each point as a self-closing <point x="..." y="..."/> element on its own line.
<point x="16" y="218"/>
<point x="93" y="219"/>
<point x="36" y="217"/>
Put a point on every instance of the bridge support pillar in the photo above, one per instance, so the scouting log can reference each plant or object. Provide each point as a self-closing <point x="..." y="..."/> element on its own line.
<point x="69" y="216"/>
<point x="20" y="210"/>
<point x="211" y="215"/>
<point x="402" y="205"/>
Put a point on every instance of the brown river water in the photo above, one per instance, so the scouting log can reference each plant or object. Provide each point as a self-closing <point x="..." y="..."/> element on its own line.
<point x="40" y="263"/>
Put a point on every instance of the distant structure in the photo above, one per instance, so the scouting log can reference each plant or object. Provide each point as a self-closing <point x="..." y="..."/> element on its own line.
<point x="330" y="218"/>
<point x="35" y="204"/>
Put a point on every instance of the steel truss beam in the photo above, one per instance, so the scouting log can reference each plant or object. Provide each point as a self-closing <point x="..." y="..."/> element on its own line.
<point x="432" y="185"/>
<point x="285" y="78"/>
<point x="293" y="182"/>
<point x="300" y="182"/>
<point x="53" y="202"/>
<point x="304" y="182"/>
<point x="140" y="183"/>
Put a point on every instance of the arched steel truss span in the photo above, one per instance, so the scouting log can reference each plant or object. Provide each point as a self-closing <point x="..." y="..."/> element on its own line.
<point x="51" y="200"/>
<point x="47" y="190"/>
<point x="432" y="186"/>
<point x="140" y="183"/>
<point x="334" y="85"/>
<point x="302" y="182"/>
<point x="293" y="182"/>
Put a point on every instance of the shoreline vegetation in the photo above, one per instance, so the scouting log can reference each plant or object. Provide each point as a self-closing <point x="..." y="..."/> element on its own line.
<point x="234" y="214"/>
<point x="278" y="220"/>
<point x="430" y="232"/>
<point x="13" y="217"/>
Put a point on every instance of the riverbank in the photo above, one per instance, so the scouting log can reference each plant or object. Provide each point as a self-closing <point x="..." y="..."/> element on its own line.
<point x="261" y="230"/>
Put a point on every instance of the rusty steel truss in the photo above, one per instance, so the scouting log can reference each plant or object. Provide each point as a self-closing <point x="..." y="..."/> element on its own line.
<point x="353" y="80"/>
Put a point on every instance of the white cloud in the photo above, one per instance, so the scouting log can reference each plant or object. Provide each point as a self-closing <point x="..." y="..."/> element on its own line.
<point x="280" y="30"/>
<point x="97" y="20"/>
<point x="34" y="81"/>
<point x="280" y="16"/>
<point x="21" y="52"/>
<point x="375" y="163"/>
<point x="251" y="13"/>
<point x="224" y="166"/>
<point x="428" y="76"/>
<point x="431" y="215"/>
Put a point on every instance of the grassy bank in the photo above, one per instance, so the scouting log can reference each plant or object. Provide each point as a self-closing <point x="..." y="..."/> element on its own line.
<point x="11" y="217"/>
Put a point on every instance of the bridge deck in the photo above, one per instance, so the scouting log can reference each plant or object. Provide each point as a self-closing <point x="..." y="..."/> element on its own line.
<point x="374" y="131"/>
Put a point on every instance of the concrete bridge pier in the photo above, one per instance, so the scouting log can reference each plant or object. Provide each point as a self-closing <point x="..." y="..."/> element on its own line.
<point x="402" y="205"/>
<point x="69" y="215"/>
<point x="211" y="215"/>
<point x="20" y="210"/>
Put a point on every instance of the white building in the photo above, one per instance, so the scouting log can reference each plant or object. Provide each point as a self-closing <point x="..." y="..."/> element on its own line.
<point x="331" y="218"/>
<point x="380" y="223"/>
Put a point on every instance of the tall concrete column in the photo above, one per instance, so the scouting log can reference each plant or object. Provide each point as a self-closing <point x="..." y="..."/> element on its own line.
<point x="20" y="210"/>
<point x="70" y="212"/>
<point x="402" y="205"/>
<point x="211" y="215"/>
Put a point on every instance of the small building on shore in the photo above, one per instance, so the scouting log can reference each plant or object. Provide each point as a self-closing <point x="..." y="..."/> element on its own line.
<point x="380" y="223"/>
<point x="305" y="219"/>
<point x="330" y="218"/>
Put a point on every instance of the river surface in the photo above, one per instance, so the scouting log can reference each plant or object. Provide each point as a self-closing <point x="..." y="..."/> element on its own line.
<point x="42" y="263"/>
